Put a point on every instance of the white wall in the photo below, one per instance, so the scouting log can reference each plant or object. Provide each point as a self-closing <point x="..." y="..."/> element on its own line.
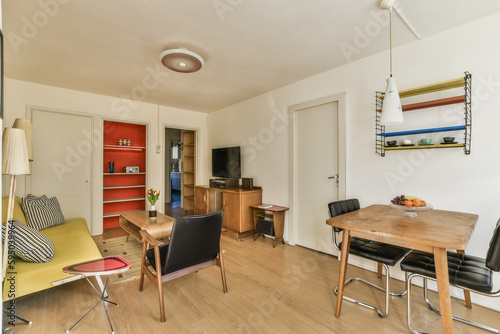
<point x="19" y="95"/>
<point x="447" y="178"/>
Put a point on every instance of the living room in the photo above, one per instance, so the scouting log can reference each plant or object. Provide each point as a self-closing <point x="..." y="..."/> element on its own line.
<point x="449" y="179"/>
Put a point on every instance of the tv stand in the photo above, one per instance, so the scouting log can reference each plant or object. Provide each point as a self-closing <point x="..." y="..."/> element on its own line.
<point x="224" y="183"/>
<point x="234" y="202"/>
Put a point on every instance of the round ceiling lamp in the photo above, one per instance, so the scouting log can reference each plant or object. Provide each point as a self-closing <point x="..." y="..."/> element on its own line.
<point x="181" y="60"/>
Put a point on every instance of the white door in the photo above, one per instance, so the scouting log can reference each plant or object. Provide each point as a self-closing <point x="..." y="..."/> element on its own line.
<point x="62" y="160"/>
<point x="316" y="174"/>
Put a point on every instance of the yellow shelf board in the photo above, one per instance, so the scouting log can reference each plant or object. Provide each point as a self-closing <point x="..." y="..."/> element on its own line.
<point x="455" y="83"/>
<point x="420" y="147"/>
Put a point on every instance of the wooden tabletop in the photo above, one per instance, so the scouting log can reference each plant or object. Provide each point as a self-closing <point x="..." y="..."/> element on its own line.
<point x="271" y="208"/>
<point x="159" y="227"/>
<point x="433" y="228"/>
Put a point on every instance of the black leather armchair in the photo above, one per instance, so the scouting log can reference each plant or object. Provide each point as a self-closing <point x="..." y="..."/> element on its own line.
<point x="194" y="245"/>
<point x="465" y="271"/>
<point x="387" y="255"/>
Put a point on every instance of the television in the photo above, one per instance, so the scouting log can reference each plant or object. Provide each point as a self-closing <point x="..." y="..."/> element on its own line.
<point x="226" y="163"/>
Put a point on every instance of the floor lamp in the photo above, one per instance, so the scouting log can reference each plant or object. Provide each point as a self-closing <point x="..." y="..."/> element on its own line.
<point x="14" y="162"/>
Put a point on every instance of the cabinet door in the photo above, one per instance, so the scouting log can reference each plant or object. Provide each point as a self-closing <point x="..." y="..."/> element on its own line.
<point x="200" y="201"/>
<point x="247" y="199"/>
<point x="231" y="207"/>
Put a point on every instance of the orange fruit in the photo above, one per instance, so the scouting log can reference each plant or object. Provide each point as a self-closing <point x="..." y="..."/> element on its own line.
<point x="417" y="202"/>
<point x="408" y="203"/>
<point x="423" y="203"/>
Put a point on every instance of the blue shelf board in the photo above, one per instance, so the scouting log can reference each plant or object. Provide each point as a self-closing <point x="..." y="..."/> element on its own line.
<point x="416" y="132"/>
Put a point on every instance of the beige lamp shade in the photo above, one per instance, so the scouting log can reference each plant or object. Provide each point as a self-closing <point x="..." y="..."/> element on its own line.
<point x="15" y="152"/>
<point x="21" y="123"/>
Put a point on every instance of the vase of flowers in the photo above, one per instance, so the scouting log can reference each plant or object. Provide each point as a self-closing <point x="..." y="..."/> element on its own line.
<point x="152" y="196"/>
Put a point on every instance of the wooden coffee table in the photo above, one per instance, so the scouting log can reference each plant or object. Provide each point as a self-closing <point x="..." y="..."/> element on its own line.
<point x="135" y="221"/>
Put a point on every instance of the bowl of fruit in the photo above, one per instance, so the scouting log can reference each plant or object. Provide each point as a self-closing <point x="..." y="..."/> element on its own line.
<point x="410" y="205"/>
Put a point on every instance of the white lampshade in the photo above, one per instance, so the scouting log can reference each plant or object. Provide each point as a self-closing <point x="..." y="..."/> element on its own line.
<point x="15" y="152"/>
<point x="392" y="113"/>
<point x="21" y="123"/>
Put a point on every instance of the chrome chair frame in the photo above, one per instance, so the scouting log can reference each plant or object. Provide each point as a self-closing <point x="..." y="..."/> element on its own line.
<point x="386" y="290"/>
<point x="490" y="265"/>
<point x="436" y="310"/>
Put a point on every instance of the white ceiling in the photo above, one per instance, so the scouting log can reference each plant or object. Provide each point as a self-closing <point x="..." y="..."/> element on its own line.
<point x="250" y="47"/>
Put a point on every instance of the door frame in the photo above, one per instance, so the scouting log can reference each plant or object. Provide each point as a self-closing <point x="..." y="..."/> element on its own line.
<point x="340" y="98"/>
<point x="196" y="130"/>
<point x="28" y="185"/>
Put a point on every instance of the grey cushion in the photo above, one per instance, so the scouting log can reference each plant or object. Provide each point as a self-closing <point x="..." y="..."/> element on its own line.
<point x="42" y="212"/>
<point x="29" y="244"/>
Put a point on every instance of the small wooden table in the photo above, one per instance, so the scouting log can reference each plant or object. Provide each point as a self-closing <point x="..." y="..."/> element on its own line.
<point x="277" y="215"/>
<point x="134" y="221"/>
<point x="431" y="231"/>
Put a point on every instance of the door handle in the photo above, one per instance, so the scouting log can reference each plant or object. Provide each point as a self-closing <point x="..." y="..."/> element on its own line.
<point x="334" y="177"/>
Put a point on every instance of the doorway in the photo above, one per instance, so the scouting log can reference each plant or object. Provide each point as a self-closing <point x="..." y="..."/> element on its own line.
<point x="173" y="171"/>
<point x="318" y="169"/>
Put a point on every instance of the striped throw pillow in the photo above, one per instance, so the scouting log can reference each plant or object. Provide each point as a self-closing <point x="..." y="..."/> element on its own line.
<point x="29" y="244"/>
<point x="42" y="212"/>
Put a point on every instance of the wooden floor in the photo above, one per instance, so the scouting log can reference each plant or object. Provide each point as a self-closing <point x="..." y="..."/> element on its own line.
<point x="287" y="289"/>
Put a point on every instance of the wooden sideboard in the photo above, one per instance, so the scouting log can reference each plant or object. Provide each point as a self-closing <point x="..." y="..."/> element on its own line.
<point x="235" y="202"/>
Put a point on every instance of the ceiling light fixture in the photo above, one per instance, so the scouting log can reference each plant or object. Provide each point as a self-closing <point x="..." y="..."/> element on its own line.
<point x="181" y="60"/>
<point x="392" y="113"/>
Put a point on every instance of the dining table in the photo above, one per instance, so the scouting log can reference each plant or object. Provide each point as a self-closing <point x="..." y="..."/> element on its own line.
<point x="432" y="231"/>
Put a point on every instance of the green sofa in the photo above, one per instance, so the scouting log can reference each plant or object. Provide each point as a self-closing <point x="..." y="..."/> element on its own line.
<point x="73" y="244"/>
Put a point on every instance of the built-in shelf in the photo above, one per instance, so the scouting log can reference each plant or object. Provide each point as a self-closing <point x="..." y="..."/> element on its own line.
<point x="189" y="197"/>
<point x="123" y="192"/>
<point x="125" y="199"/>
<point x="140" y="173"/>
<point x="420" y="131"/>
<point x="124" y="148"/>
<point x="126" y="187"/>
<point x="189" y="185"/>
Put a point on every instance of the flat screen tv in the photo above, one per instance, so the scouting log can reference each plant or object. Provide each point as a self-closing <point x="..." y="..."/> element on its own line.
<point x="226" y="162"/>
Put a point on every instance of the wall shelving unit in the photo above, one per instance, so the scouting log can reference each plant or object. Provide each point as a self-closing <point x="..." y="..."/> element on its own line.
<point x="188" y="170"/>
<point x="380" y="131"/>
<point x="123" y="191"/>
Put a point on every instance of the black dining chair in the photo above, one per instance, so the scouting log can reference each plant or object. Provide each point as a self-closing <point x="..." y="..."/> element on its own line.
<point x="465" y="271"/>
<point x="387" y="255"/>
<point x="194" y="245"/>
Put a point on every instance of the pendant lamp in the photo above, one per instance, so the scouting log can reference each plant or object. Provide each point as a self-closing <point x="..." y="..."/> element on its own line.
<point x="392" y="113"/>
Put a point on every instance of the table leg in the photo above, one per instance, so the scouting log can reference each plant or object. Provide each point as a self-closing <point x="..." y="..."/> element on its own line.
<point x="102" y="298"/>
<point x="442" y="275"/>
<point x="344" y="256"/>
<point x="468" y="302"/>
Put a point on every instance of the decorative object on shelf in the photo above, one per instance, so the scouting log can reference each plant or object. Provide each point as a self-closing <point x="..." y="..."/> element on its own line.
<point x="247" y="183"/>
<point x="181" y="60"/>
<point x="465" y="99"/>
<point x="392" y="143"/>
<point x="129" y="142"/>
<point x="111" y="167"/>
<point x="449" y="140"/>
<point x="120" y="142"/>
<point x="15" y="162"/>
<point x="132" y="169"/>
<point x="152" y="196"/>
<point x="392" y="112"/>
<point x="426" y="141"/>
